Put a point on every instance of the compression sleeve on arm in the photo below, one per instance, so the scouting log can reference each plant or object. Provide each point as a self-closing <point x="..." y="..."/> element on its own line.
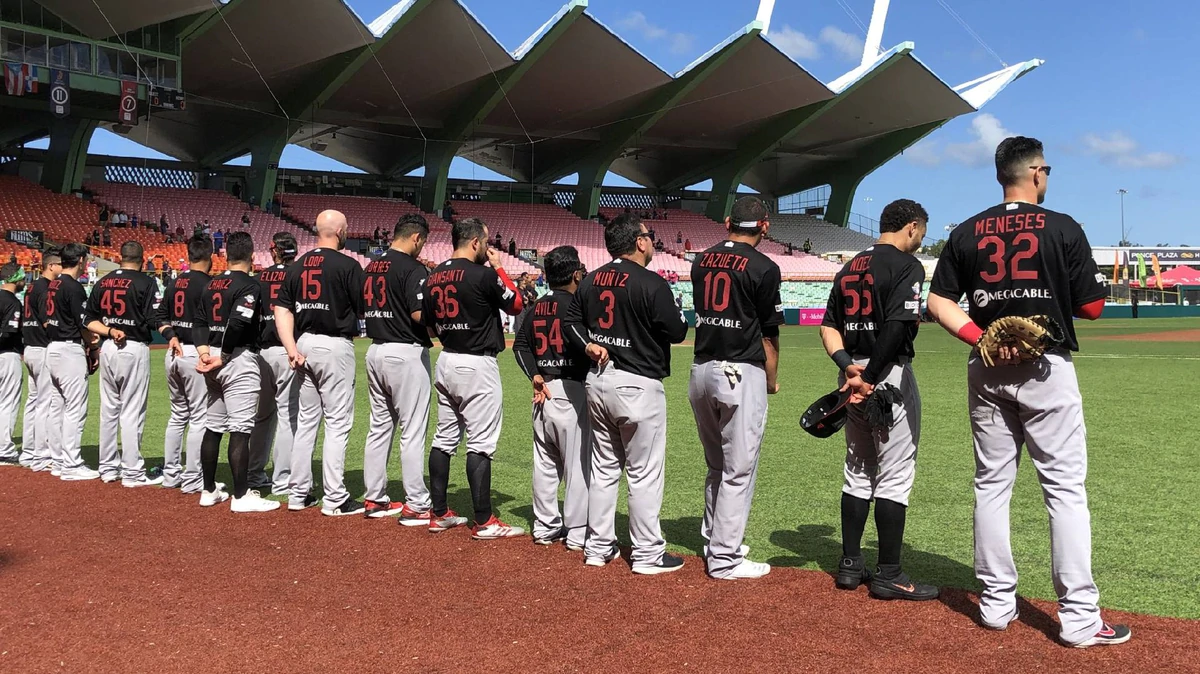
<point x="887" y="346"/>
<point x="521" y="350"/>
<point x="518" y="303"/>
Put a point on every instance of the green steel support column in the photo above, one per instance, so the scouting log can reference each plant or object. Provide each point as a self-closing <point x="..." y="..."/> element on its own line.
<point x="594" y="165"/>
<point x="724" y="192"/>
<point x="69" y="140"/>
<point x="479" y="105"/>
<point x="841" y="198"/>
<point x="264" y="168"/>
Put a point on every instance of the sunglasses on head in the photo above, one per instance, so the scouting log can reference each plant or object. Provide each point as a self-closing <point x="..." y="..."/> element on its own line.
<point x="1044" y="169"/>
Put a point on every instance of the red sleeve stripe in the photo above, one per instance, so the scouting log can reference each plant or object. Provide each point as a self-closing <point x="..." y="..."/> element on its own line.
<point x="518" y="303"/>
<point x="1092" y="310"/>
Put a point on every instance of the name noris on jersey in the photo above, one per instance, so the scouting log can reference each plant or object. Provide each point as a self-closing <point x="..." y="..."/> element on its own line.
<point x="981" y="297"/>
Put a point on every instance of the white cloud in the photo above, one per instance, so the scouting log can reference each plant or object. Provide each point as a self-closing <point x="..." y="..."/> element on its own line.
<point x="847" y="45"/>
<point x="986" y="133"/>
<point x="796" y="44"/>
<point x="1119" y="149"/>
<point x="636" y="22"/>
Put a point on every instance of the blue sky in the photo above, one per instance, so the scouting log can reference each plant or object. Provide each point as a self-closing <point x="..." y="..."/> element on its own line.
<point x="1113" y="103"/>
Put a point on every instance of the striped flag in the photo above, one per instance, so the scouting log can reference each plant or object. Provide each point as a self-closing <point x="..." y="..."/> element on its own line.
<point x="20" y="79"/>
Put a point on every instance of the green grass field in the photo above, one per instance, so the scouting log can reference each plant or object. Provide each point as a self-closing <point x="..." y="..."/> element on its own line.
<point x="1143" y="477"/>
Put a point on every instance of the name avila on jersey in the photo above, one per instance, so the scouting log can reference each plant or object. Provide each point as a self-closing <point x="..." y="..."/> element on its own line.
<point x="610" y="341"/>
<point x="981" y="297"/>
<point x="719" y="322"/>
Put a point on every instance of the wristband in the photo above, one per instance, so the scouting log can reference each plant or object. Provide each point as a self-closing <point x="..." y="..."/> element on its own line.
<point x="842" y="359"/>
<point x="970" y="333"/>
<point x="168" y="333"/>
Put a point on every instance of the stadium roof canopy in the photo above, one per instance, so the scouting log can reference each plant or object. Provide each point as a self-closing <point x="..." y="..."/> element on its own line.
<point x="426" y="81"/>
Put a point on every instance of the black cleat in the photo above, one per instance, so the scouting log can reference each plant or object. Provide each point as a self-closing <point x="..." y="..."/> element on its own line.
<point x="667" y="564"/>
<point x="852" y="572"/>
<point x="900" y="586"/>
<point x="1109" y="635"/>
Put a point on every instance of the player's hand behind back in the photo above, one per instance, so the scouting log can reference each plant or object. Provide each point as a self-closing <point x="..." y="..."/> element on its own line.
<point x="117" y="336"/>
<point x="598" y="354"/>
<point x="853" y="370"/>
<point x="175" y="348"/>
<point x="540" y="392"/>
<point x="296" y="360"/>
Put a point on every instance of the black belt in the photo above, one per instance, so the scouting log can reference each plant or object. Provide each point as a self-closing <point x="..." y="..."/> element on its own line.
<point x="487" y="354"/>
<point x="756" y="363"/>
<point x="549" y="378"/>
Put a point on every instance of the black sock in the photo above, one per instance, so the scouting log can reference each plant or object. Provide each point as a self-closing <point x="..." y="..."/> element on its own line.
<point x="210" y="454"/>
<point x="854" y="521"/>
<point x="479" y="476"/>
<point x="889" y="521"/>
<point x="439" y="480"/>
<point x="239" y="462"/>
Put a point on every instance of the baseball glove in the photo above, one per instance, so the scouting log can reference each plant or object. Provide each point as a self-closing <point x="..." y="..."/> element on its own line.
<point x="879" y="406"/>
<point x="1028" y="336"/>
<point x="93" y="360"/>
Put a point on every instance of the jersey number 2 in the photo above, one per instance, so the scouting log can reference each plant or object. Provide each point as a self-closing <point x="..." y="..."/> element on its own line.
<point x="998" y="270"/>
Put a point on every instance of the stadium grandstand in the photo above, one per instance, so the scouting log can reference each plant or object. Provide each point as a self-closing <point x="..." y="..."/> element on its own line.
<point x="574" y="99"/>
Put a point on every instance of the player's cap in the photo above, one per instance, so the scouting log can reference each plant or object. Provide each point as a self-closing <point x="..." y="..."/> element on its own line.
<point x="827" y="415"/>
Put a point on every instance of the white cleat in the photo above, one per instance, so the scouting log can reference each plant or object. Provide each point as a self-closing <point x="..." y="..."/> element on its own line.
<point x="212" y="498"/>
<point x="748" y="570"/>
<point x="79" y="474"/>
<point x="143" y="481"/>
<point x="253" y="502"/>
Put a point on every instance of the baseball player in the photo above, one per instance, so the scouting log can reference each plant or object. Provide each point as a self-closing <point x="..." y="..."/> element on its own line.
<point x="177" y="313"/>
<point x="1019" y="259"/>
<point x="280" y="390"/>
<point x="320" y="302"/>
<point x="121" y="309"/>
<point x="869" y="327"/>
<point x="738" y="314"/>
<point x="462" y="305"/>
<point x="35" y="452"/>
<point x="227" y="332"/>
<point x="561" y="431"/>
<point x="12" y="281"/>
<point x="67" y="365"/>
<point x="398" y="373"/>
<point x="624" y="317"/>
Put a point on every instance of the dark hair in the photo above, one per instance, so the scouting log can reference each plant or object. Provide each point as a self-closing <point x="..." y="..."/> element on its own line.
<point x="621" y="234"/>
<point x="72" y="254"/>
<point x="285" y="246"/>
<point x="239" y="247"/>
<point x="1013" y="157"/>
<point x="51" y="254"/>
<point x="409" y="224"/>
<point x="748" y="209"/>
<point x="200" y="248"/>
<point x="899" y="213"/>
<point x="132" y="251"/>
<point x="9" y="270"/>
<point x="561" y="264"/>
<point x="467" y="229"/>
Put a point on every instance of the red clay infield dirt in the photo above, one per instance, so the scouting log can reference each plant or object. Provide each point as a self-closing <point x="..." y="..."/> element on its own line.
<point x="97" y="578"/>
<point x="1165" y="336"/>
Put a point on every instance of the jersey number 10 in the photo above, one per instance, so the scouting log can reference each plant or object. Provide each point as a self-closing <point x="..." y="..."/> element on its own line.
<point x="716" y="291"/>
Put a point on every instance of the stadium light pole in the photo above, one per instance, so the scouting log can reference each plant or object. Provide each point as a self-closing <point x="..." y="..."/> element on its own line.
<point x="1122" y="191"/>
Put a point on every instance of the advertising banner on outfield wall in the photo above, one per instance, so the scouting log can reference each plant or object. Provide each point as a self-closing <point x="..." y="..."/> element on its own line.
<point x="811" y="316"/>
<point x="1169" y="255"/>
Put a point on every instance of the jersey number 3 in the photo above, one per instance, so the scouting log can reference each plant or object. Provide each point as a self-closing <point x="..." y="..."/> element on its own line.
<point x="996" y="258"/>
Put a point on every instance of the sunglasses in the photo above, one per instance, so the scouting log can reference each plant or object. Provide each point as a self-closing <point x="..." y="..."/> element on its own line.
<point x="1044" y="169"/>
<point x="643" y="235"/>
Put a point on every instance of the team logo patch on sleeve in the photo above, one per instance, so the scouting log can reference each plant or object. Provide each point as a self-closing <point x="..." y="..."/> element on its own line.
<point x="912" y="306"/>
<point x="916" y="288"/>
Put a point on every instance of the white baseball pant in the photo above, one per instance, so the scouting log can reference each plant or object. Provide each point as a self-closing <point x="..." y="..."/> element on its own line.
<point x="189" y="402"/>
<point x="10" y="400"/>
<point x="471" y="400"/>
<point x="561" y="454"/>
<point x="326" y="390"/>
<point x="124" y="387"/>
<point x="275" y="424"/>
<point x="232" y="394"/>
<point x="883" y="463"/>
<point x="398" y="388"/>
<point x="35" y="453"/>
<point x="67" y="379"/>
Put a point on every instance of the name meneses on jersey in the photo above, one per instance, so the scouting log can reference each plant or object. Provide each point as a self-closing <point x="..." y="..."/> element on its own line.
<point x="981" y="297"/>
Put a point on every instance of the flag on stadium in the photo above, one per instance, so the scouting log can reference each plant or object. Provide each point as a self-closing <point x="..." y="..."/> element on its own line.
<point x="60" y="93"/>
<point x="1157" y="271"/>
<point x="127" y="108"/>
<point x="1141" y="269"/>
<point x="20" y="79"/>
<point x="1116" y="265"/>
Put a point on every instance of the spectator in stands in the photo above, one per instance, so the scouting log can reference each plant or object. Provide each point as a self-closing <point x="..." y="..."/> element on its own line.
<point x="679" y="237"/>
<point x="237" y="190"/>
<point x="245" y="221"/>
<point x="198" y="229"/>
<point x="206" y="228"/>
<point x="103" y="215"/>
<point x="133" y="220"/>
<point x="687" y="245"/>
<point x="183" y="266"/>
<point x="164" y="227"/>
<point x="499" y="242"/>
<point x="790" y="248"/>
<point x="375" y="237"/>
<point x="447" y="211"/>
<point x="94" y="239"/>
<point x="218" y="241"/>
<point x="807" y="246"/>
<point x="512" y="246"/>
<point x="12" y="259"/>
<point x="107" y="240"/>
<point x="653" y="236"/>
<point x="150" y="268"/>
<point x="166" y="270"/>
<point x="179" y="233"/>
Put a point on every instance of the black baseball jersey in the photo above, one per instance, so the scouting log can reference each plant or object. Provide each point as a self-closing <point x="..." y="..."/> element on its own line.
<point x="394" y="290"/>
<point x="33" y="329"/>
<point x="180" y="304"/>
<point x="10" y="323"/>
<point x="65" y="303"/>
<point x="231" y="310"/>
<point x="736" y="292"/>
<point x="1018" y="259"/>
<point x="630" y="311"/>
<point x="270" y="282"/>
<point x="463" y="301"/>
<point x="541" y="346"/>
<point x="127" y="300"/>
<point x="878" y="285"/>
<point x="323" y="290"/>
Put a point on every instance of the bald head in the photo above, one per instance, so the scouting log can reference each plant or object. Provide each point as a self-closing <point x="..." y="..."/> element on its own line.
<point x="331" y="228"/>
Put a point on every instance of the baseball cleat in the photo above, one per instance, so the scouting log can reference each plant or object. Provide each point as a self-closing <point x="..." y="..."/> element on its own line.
<point x="212" y="498"/>
<point x="411" y="517"/>
<point x="601" y="561"/>
<point x="440" y="523"/>
<point x="553" y="538"/>
<point x="574" y="547"/>
<point x="347" y="507"/>
<point x="253" y="502"/>
<point x="109" y="478"/>
<point x="309" y="501"/>
<point x="1109" y="635"/>
<point x="9" y="462"/>
<point x="852" y="572"/>
<point x="78" y="474"/>
<point x="748" y="570"/>
<point x="380" y="509"/>
<point x="494" y="529"/>
<point x="143" y="481"/>
<point x="667" y="564"/>
<point x="900" y="586"/>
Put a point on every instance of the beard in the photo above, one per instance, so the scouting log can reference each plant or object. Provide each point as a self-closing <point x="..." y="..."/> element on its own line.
<point x="481" y="256"/>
